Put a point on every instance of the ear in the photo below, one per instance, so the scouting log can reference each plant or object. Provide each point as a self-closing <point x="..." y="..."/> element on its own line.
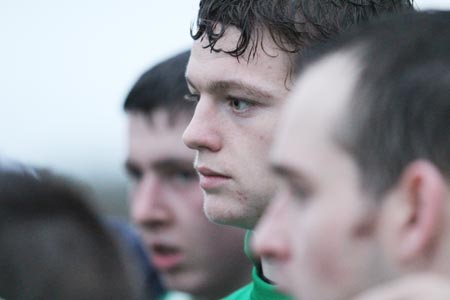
<point x="423" y="193"/>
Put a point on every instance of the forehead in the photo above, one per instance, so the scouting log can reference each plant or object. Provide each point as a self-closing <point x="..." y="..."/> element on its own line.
<point x="316" y="107"/>
<point x="158" y="137"/>
<point x="268" y="68"/>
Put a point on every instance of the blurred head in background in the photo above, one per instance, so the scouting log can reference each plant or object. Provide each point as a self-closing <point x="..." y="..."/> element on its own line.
<point x="54" y="246"/>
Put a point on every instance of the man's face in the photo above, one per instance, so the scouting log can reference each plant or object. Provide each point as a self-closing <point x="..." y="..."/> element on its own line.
<point x="319" y="232"/>
<point x="192" y="254"/>
<point x="238" y="103"/>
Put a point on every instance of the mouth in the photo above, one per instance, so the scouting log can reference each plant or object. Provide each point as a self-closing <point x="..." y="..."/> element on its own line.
<point x="210" y="179"/>
<point x="166" y="257"/>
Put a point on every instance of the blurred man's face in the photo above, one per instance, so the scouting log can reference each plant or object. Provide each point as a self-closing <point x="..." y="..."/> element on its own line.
<point x="238" y="105"/>
<point x="192" y="254"/>
<point x="319" y="231"/>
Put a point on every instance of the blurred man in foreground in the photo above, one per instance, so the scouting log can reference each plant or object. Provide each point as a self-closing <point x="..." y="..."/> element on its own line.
<point x="364" y="164"/>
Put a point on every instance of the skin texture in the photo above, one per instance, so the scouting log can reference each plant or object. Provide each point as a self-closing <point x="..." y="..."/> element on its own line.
<point x="325" y="235"/>
<point x="192" y="254"/>
<point x="414" y="287"/>
<point x="238" y="105"/>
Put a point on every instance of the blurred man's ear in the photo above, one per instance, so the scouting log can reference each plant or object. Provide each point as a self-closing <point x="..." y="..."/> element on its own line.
<point x="416" y="214"/>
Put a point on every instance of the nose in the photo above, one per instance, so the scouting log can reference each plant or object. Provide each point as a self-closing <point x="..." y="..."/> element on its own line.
<point x="203" y="130"/>
<point x="270" y="239"/>
<point x="149" y="207"/>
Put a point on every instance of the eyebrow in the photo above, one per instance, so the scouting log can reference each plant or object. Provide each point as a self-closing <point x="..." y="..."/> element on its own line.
<point x="282" y="171"/>
<point x="173" y="163"/>
<point x="288" y="173"/>
<point x="162" y="164"/>
<point x="224" y="85"/>
<point x="131" y="167"/>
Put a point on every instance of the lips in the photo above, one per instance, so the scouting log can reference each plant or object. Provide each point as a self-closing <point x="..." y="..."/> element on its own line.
<point x="210" y="179"/>
<point x="166" y="257"/>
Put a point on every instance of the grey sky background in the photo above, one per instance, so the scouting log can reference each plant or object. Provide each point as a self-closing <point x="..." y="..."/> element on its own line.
<point x="65" y="68"/>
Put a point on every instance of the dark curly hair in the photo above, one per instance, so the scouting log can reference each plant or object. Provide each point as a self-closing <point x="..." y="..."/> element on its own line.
<point x="292" y="24"/>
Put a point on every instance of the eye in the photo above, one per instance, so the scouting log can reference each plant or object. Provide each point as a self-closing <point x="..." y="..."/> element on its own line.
<point x="134" y="174"/>
<point x="185" y="175"/>
<point x="192" y="97"/>
<point x="239" y="105"/>
<point x="179" y="175"/>
<point x="300" y="192"/>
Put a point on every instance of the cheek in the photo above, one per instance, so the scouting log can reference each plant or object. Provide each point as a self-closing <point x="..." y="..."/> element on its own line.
<point x="187" y="209"/>
<point x="258" y="131"/>
<point x="266" y="134"/>
<point x="324" y="249"/>
<point x="334" y="261"/>
<point x="188" y="195"/>
<point x="195" y="197"/>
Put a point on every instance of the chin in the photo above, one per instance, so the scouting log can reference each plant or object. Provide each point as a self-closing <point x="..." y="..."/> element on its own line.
<point x="228" y="218"/>
<point x="227" y="211"/>
<point x="218" y="211"/>
<point x="184" y="282"/>
<point x="216" y="217"/>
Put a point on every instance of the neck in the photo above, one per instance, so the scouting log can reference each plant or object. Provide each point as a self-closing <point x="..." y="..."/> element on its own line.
<point x="268" y="270"/>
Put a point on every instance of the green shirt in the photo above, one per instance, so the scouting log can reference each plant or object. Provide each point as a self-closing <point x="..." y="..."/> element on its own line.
<point x="258" y="289"/>
<point x="174" y="295"/>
